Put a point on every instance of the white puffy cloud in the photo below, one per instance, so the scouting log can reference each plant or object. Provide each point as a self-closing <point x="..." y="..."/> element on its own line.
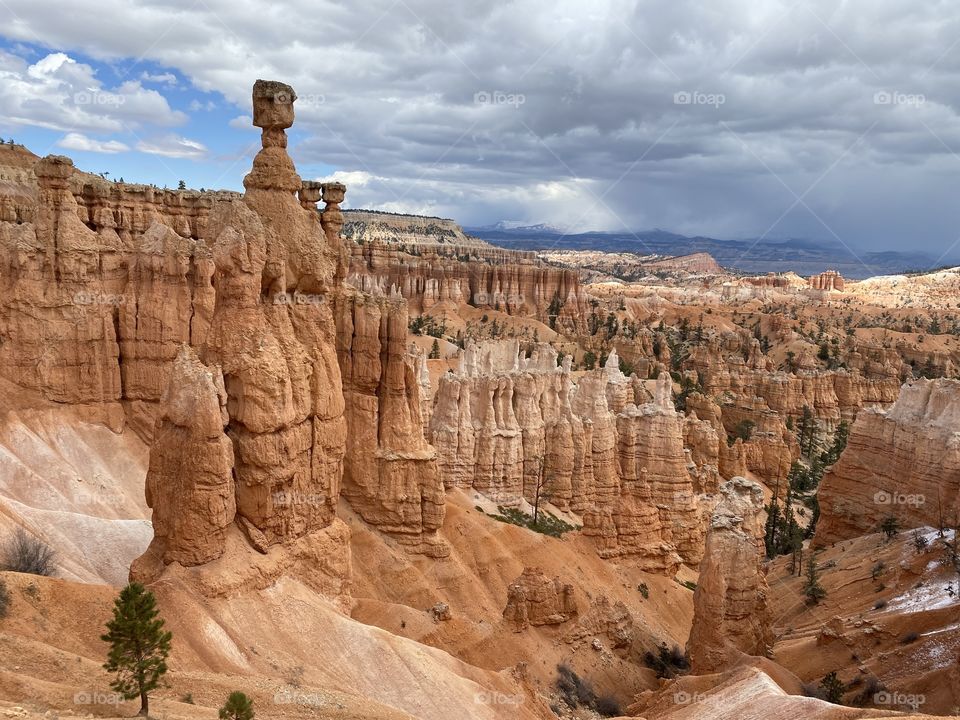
<point x="59" y="93"/>
<point x="167" y="78"/>
<point x="243" y="122"/>
<point x="79" y="141"/>
<point x="173" y="146"/>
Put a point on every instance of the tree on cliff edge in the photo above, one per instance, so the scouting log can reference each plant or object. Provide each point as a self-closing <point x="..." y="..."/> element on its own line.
<point x="138" y="645"/>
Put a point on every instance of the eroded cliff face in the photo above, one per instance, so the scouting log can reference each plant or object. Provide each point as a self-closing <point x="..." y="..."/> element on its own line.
<point x="391" y="476"/>
<point x="106" y="284"/>
<point x="603" y="447"/>
<point x="832" y="396"/>
<point x="730" y="603"/>
<point x="270" y="364"/>
<point x="902" y="462"/>
<point x="463" y="271"/>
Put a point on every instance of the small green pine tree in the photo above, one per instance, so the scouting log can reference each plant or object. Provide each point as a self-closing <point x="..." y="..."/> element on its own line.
<point x="435" y="350"/>
<point x="138" y="645"/>
<point x="832" y="688"/>
<point x="812" y="587"/>
<point x="237" y="707"/>
<point x="890" y="526"/>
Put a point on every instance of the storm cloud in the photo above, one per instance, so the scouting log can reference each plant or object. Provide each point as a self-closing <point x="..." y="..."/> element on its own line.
<point x="834" y="120"/>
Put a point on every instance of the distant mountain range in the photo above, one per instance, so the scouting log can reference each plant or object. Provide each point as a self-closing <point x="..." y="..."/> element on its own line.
<point x="803" y="256"/>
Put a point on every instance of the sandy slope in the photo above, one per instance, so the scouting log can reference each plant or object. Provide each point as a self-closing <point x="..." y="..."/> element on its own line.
<point x="78" y="486"/>
<point x="394" y="591"/>
<point x="877" y="617"/>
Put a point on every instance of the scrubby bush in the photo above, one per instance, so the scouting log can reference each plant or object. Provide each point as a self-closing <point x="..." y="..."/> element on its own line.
<point x="608" y="706"/>
<point x="575" y="690"/>
<point x="870" y="689"/>
<point x="667" y="662"/>
<point x="26" y="554"/>
<point x="4" y="598"/>
<point x="832" y="688"/>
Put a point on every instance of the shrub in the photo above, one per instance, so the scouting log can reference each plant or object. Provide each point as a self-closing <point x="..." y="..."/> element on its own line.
<point x="879" y="604"/>
<point x="27" y="554"/>
<point x="546" y="523"/>
<point x="4" y="598"/>
<point x="832" y="688"/>
<point x="574" y="690"/>
<point x="608" y="706"/>
<point x="890" y="526"/>
<point x="870" y="689"/>
<point x="237" y="707"/>
<point x="644" y="590"/>
<point x="667" y="662"/>
<point x="909" y="638"/>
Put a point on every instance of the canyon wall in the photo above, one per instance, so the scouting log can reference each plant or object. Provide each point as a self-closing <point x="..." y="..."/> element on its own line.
<point x="601" y="445"/>
<point x="221" y="328"/>
<point x="484" y="276"/>
<point x="902" y="462"/>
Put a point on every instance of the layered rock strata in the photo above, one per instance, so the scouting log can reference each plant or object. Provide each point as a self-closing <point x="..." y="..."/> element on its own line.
<point x="604" y="447"/>
<point x="391" y="476"/>
<point x="903" y="462"/>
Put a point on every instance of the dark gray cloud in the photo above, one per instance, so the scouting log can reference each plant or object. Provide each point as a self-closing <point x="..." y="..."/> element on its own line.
<point x="698" y="117"/>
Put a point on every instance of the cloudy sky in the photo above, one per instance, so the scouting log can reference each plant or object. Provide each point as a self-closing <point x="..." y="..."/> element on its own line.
<point x="732" y="118"/>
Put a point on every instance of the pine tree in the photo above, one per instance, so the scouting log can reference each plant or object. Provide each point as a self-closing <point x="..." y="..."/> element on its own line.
<point x="237" y="707"/>
<point x="796" y="551"/>
<point x="138" y="644"/>
<point x="770" y="530"/>
<point x="832" y="688"/>
<point x="812" y="587"/>
<point x="435" y="351"/>
<point x="890" y="526"/>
